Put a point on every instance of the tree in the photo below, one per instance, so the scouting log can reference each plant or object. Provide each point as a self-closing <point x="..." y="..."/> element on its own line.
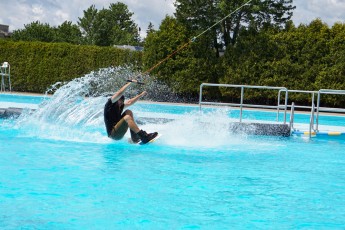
<point x="87" y="25"/>
<point x="35" y="31"/>
<point x="125" y="32"/>
<point x="199" y="15"/>
<point x="112" y="26"/>
<point x="189" y="67"/>
<point x="159" y="44"/>
<point x="150" y="28"/>
<point x="67" y="32"/>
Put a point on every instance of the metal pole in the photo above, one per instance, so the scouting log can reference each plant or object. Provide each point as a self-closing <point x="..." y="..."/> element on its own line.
<point x="241" y="105"/>
<point x="317" y="110"/>
<point x="286" y="101"/>
<point x="200" y="96"/>
<point x="278" y="105"/>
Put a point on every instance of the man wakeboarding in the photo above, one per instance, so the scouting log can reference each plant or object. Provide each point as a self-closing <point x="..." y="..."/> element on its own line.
<point x="117" y="121"/>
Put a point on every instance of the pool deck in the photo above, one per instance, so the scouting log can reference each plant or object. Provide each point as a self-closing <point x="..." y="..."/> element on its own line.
<point x="11" y="109"/>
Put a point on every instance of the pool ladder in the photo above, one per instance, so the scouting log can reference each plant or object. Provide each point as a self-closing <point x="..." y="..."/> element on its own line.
<point x="314" y="110"/>
<point x="5" y="71"/>
<point x="312" y="130"/>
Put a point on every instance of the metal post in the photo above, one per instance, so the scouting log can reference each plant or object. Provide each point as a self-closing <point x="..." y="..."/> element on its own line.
<point x="292" y="116"/>
<point x="311" y="119"/>
<point x="318" y="110"/>
<point x="286" y="101"/>
<point x="200" y="96"/>
<point x="5" y="72"/>
<point x="241" y="105"/>
<point x="278" y="105"/>
<point x="312" y="102"/>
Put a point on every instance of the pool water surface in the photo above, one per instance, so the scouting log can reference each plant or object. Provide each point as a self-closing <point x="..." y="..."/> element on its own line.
<point x="62" y="172"/>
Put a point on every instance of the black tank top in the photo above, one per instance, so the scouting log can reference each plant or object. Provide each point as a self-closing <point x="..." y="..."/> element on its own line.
<point x="112" y="114"/>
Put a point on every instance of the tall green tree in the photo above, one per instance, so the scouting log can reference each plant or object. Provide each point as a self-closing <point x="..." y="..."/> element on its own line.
<point x="150" y="28"/>
<point x="68" y="32"/>
<point x="159" y="44"/>
<point x="202" y="14"/>
<point x="258" y="14"/>
<point x="112" y="26"/>
<point x="126" y="32"/>
<point x="185" y="70"/>
<point x="87" y="25"/>
<point x="197" y="16"/>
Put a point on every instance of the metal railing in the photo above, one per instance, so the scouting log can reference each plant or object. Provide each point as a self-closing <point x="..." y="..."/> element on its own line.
<point x="241" y="105"/>
<point x="325" y="109"/>
<point x="313" y="93"/>
<point x="311" y="121"/>
<point x="314" y="119"/>
<point x="292" y="117"/>
<point x="5" y="72"/>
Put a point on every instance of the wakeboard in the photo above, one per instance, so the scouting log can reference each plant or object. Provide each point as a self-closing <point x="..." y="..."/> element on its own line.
<point x="140" y="143"/>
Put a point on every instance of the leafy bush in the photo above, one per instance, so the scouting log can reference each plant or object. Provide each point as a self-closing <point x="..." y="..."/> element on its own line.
<point x="37" y="65"/>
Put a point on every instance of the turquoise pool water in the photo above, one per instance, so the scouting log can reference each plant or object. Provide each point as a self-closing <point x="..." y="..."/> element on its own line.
<point x="18" y="98"/>
<point x="60" y="171"/>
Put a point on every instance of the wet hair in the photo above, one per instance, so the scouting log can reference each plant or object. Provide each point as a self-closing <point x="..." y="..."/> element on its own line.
<point x="122" y="98"/>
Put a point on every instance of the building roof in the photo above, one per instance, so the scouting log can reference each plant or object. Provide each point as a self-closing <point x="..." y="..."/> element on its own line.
<point x="4" y="31"/>
<point x="134" y="48"/>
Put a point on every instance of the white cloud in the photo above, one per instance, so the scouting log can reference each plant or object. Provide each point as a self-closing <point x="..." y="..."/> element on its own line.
<point x="37" y="10"/>
<point x="62" y="16"/>
<point x="329" y="11"/>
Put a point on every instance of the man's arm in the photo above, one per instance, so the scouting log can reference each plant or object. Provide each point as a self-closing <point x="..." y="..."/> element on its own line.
<point x="120" y="92"/>
<point x="134" y="99"/>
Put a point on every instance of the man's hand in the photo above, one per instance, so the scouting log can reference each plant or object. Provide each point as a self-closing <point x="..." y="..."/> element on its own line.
<point x="134" y="99"/>
<point x="135" y="81"/>
<point x="143" y="94"/>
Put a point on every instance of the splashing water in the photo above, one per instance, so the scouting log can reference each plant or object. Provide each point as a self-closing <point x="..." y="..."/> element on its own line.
<point x="75" y="110"/>
<point x="75" y="113"/>
<point x="197" y="129"/>
<point x="208" y="130"/>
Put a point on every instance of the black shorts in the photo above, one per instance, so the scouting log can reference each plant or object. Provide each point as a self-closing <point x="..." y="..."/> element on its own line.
<point x="119" y="130"/>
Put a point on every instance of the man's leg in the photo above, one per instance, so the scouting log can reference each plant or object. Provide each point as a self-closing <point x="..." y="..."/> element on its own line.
<point x="134" y="127"/>
<point x="119" y="130"/>
<point x="130" y="121"/>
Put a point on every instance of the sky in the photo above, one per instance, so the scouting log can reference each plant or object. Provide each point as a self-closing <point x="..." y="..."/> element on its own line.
<point x="17" y="13"/>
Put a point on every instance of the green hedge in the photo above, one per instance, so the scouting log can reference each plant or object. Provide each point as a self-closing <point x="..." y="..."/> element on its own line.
<point x="37" y="65"/>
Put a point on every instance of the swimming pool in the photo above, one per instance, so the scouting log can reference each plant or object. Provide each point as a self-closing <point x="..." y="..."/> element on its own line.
<point x="57" y="177"/>
<point x="60" y="171"/>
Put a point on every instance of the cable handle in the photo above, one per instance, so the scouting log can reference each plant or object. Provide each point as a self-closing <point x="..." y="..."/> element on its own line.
<point x="135" y="81"/>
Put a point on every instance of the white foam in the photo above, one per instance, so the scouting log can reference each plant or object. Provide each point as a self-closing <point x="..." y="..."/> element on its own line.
<point x="6" y="105"/>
